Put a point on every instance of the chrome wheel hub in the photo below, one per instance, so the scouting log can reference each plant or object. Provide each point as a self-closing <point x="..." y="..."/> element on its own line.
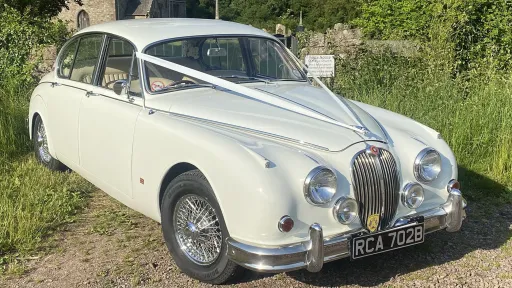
<point x="197" y="229"/>
<point x="42" y="143"/>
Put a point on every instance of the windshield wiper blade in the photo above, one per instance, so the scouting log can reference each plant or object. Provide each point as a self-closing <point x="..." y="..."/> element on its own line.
<point x="187" y="85"/>
<point x="246" y="78"/>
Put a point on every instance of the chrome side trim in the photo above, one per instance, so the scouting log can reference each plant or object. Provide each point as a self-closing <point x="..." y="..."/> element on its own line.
<point x="244" y="129"/>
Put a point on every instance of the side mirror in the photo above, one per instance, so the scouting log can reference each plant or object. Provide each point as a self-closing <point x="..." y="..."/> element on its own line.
<point x="120" y="86"/>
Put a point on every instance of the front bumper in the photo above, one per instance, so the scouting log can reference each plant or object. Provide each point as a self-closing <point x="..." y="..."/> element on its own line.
<point x="312" y="254"/>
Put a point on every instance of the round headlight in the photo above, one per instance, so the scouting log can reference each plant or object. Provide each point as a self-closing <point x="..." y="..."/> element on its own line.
<point x="427" y="165"/>
<point x="413" y="195"/>
<point x="320" y="186"/>
<point x="345" y="210"/>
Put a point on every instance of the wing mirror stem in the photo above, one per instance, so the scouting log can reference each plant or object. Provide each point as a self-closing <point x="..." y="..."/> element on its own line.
<point x="120" y="87"/>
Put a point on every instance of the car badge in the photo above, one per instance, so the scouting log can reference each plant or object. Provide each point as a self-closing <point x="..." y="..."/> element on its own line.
<point x="373" y="222"/>
<point x="373" y="150"/>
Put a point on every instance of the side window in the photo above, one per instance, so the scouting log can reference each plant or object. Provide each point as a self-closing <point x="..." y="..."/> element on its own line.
<point x="67" y="57"/>
<point x="118" y="64"/>
<point x="87" y="57"/>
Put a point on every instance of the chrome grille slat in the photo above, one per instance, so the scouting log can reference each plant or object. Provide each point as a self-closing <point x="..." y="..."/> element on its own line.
<point x="376" y="186"/>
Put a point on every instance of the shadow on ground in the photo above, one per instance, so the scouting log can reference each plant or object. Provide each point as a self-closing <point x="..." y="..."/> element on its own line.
<point x="486" y="228"/>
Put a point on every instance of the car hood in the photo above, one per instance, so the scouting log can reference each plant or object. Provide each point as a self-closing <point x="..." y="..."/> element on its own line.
<point x="245" y="113"/>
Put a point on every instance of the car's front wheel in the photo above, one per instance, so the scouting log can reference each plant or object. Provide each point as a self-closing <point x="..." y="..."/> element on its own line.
<point x="40" y="140"/>
<point x="195" y="231"/>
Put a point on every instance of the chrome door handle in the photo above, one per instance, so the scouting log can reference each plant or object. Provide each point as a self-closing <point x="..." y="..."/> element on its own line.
<point x="90" y="93"/>
<point x="55" y="84"/>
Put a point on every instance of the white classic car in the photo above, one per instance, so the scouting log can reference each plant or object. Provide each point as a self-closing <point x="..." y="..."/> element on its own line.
<point x="215" y="130"/>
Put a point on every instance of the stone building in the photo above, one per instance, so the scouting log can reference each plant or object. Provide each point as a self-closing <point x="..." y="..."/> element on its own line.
<point x="99" y="11"/>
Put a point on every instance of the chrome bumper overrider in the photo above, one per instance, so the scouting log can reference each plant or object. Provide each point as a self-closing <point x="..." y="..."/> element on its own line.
<point x="312" y="254"/>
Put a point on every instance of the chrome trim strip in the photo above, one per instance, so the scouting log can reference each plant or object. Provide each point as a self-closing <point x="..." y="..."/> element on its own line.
<point x="244" y="129"/>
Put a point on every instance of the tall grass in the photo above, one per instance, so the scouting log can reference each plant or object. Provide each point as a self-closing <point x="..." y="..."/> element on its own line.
<point x="33" y="200"/>
<point x="14" y="99"/>
<point x="473" y="113"/>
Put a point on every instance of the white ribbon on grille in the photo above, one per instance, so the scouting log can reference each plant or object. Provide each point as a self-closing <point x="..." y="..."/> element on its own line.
<point x="260" y="96"/>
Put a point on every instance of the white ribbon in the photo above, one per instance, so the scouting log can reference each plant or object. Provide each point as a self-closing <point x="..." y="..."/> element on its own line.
<point x="339" y="101"/>
<point x="263" y="97"/>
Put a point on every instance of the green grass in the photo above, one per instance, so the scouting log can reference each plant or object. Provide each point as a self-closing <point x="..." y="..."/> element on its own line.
<point x="473" y="114"/>
<point x="33" y="200"/>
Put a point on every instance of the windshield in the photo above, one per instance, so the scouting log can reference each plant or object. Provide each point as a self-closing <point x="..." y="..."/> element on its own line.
<point x="236" y="59"/>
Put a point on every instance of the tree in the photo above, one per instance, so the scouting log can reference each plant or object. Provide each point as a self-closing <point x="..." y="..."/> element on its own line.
<point x="38" y="8"/>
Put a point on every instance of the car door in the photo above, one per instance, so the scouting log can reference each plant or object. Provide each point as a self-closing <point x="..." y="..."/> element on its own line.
<point x="107" y="119"/>
<point x="73" y="77"/>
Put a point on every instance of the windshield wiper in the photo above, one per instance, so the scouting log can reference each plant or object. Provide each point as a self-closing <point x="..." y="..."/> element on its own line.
<point x="187" y="85"/>
<point x="246" y="78"/>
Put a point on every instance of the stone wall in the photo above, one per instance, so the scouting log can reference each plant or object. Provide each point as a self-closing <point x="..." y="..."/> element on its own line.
<point x="343" y="41"/>
<point x="99" y="11"/>
<point x="340" y="40"/>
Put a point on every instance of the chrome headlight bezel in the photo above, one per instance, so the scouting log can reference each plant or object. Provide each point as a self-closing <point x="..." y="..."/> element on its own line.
<point x="342" y="203"/>
<point x="418" y="162"/>
<point x="406" y="195"/>
<point x="311" y="178"/>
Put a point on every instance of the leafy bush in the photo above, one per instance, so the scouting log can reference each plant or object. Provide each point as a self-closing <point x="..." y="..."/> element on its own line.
<point x="21" y="40"/>
<point x="477" y="32"/>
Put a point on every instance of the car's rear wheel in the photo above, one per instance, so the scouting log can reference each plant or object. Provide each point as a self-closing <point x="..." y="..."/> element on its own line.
<point x="40" y="140"/>
<point x="195" y="231"/>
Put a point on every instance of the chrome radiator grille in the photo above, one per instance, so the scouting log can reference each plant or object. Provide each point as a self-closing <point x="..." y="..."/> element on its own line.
<point x="376" y="185"/>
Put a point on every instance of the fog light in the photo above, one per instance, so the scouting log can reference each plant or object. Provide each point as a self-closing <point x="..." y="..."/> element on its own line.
<point x="345" y="210"/>
<point x="285" y="224"/>
<point x="453" y="184"/>
<point x="413" y="195"/>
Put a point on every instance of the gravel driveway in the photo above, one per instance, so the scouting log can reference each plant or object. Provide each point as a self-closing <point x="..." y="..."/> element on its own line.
<point x="112" y="246"/>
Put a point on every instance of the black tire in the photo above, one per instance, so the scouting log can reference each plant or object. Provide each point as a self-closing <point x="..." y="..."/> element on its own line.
<point x="42" y="154"/>
<point x="194" y="183"/>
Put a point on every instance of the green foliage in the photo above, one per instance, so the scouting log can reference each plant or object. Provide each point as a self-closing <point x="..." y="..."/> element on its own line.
<point x="21" y="41"/>
<point x="318" y="15"/>
<point x="33" y="202"/>
<point x="38" y="8"/>
<point x="478" y="32"/>
<point x="396" y="20"/>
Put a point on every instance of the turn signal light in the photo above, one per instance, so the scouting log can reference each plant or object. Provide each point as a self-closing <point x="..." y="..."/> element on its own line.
<point x="453" y="184"/>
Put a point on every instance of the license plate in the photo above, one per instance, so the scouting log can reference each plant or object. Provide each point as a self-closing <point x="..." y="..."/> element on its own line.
<point x="387" y="240"/>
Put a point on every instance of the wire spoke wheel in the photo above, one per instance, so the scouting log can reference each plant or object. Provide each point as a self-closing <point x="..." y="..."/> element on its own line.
<point x="197" y="229"/>
<point x="42" y="143"/>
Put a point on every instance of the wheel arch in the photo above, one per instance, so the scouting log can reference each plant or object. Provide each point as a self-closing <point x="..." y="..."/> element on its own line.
<point x="38" y="108"/>
<point x="173" y="172"/>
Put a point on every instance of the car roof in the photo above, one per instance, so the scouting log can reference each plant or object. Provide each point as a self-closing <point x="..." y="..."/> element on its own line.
<point x="142" y="32"/>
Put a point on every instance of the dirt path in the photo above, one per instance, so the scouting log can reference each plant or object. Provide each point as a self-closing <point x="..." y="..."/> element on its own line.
<point x="112" y="246"/>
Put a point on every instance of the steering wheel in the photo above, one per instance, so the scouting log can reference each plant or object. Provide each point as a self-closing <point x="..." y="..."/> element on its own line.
<point x="182" y="82"/>
<point x="113" y="82"/>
